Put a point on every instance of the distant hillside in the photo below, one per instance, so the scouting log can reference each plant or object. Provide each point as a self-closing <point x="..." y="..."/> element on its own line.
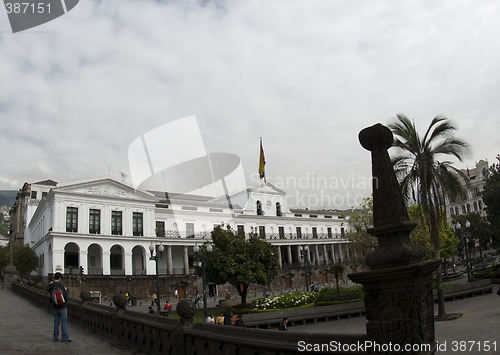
<point x="7" y="197"/>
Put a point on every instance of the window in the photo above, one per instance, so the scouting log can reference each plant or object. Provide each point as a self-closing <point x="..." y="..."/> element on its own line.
<point x="260" y="212"/>
<point x="160" y="229"/>
<point x="475" y="206"/>
<point x="329" y="231"/>
<point x="281" y="231"/>
<point x="451" y="211"/>
<point x="71" y="219"/>
<point x="241" y="229"/>
<point x="94" y="221"/>
<point x="262" y="232"/>
<point x="342" y="232"/>
<point x="299" y="232"/>
<point x="137" y="225"/>
<point x="33" y="195"/>
<point x="190" y="230"/>
<point x="456" y="210"/>
<point x="44" y="194"/>
<point x="116" y="222"/>
<point x="278" y="210"/>
<point x="315" y="232"/>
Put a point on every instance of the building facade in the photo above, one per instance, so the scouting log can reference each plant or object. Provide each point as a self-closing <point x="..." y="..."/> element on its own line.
<point x="106" y="227"/>
<point x="473" y="201"/>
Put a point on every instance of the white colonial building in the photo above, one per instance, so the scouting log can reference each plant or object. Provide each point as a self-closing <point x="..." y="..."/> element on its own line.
<point x="106" y="227"/>
<point x="473" y="201"/>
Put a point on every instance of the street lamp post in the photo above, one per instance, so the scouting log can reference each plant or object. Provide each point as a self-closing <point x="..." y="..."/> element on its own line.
<point x="459" y="226"/>
<point x="303" y="254"/>
<point x="469" y="234"/>
<point x="196" y="249"/>
<point x="159" y="248"/>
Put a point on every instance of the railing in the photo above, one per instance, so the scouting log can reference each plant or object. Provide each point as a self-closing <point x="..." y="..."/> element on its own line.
<point x="174" y="234"/>
<point x="157" y="334"/>
<point x="95" y="271"/>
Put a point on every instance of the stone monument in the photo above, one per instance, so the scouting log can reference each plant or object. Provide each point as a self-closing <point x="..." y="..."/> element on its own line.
<point x="398" y="290"/>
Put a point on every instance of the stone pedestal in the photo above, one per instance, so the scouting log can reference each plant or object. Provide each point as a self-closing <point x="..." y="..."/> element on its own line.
<point x="399" y="306"/>
<point x="10" y="275"/>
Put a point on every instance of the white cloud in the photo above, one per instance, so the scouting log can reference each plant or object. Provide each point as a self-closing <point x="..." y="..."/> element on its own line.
<point x="306" y="76"/>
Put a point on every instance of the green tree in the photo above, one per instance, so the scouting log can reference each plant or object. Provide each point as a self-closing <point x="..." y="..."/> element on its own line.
<point x="337" y="270"/>
<point x="426" y="179"/>
<point x="4" y="256"/>
<point x="421" y="235"/>
<point x="25" y="259"/>
<point x="360" y="220"/>
<point x="491" y="197"/>
<point x="240" y="261"/>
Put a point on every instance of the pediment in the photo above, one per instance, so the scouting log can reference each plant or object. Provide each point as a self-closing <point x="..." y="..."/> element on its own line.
<point x="106" y="188"/>
<point x="268" y="189"/>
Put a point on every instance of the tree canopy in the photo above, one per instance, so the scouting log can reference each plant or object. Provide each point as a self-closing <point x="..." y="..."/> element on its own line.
<point x="421" y="235"/>
<point x="24" y="258"/>
<point x="491" y="197"/>
<point x="360" y="220"/>
<point x="240" y="261"/>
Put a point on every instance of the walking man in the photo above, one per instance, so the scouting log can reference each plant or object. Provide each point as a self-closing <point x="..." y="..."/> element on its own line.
<point x="59" y="298"/>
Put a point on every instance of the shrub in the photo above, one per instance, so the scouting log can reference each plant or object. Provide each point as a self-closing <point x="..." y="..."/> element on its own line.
<point x="330" y="294"/>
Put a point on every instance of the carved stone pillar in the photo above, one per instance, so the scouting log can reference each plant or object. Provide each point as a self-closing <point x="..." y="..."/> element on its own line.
<point x="398" y="293"/>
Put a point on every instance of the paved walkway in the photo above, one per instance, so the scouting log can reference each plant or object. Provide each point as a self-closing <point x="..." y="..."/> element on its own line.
<point x="27" y="329"/>
<point x="479" y="326"/>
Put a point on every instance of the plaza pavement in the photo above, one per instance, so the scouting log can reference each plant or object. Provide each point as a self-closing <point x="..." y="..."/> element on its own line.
<point x="479" y="325"/>
<point x="27" y="329"/>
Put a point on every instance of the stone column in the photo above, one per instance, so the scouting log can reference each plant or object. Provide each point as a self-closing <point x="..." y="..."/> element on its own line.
<point x="186" y="260"/>
<point x="325" y="255"/>
<point x="127" y="258"/>
<point x="170" y="260"/>
<point x="280" y="262"/>
<point x="84" y="261"/>
<point x="106" y="266"/>
<point x="316" y="252"/>
<point x="398" y="292"/>
<point x="341" y="259"/>
<point x="289" y="251"/>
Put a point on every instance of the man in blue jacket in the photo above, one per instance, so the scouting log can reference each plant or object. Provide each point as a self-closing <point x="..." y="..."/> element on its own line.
<point x="60" y="311"/>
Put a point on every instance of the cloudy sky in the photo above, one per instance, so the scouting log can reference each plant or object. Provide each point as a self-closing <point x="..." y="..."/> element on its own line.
<point x="306" y="76"/>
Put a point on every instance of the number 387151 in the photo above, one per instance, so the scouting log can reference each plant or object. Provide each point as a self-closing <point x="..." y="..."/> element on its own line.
<point x="27" y="8"/>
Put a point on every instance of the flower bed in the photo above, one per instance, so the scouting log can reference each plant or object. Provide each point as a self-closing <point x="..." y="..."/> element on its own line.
<point x="290" y="300"/>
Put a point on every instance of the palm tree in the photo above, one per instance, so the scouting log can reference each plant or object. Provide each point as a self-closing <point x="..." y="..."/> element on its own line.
<point x="424" y="178"/>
